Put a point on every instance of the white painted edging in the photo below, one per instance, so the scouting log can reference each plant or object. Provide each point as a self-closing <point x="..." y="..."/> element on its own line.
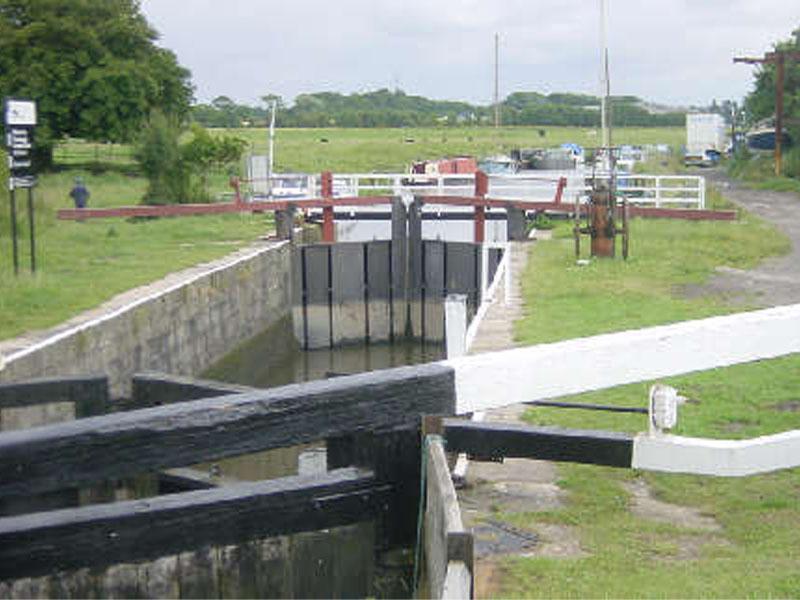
<point x="488" y="298"/>
<point x="725" y="458"/>
<point x="499" y="379"/>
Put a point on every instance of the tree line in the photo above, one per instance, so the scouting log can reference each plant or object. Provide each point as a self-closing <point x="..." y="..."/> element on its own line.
<point x="385" y="108"/>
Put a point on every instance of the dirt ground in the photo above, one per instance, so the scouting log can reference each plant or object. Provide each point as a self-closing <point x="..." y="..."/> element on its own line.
<point x="776" y="281"/>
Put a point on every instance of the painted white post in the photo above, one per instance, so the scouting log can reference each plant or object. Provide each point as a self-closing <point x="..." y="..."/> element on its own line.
<point x="658" y="191"/>
<point x="701" y="191"/>
<point x="455" y="325"/>
<point x="440" y="184"/>
<point x="507" y="275"/>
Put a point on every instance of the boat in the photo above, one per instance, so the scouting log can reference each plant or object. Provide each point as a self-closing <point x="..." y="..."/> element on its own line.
<point x="762" y="138"/>
<point x="498" y="165"/>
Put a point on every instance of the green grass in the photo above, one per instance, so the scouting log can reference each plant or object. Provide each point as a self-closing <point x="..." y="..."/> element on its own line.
<point x="391" y="150"/>
<point x="757" y="171"/>
<point x="80" y="265"/>
<point x="756" y="553"/>
<point x="564" y="300"/>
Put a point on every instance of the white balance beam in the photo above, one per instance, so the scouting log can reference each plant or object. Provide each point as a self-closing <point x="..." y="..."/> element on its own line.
<point x="498" y="379"/>
<point x="725" y="458"/>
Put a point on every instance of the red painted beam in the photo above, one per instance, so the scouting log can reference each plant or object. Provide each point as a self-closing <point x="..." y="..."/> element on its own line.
<point x="480" y="224"/>
<point x="177" y="210"/>
<point x="562" y="184"/>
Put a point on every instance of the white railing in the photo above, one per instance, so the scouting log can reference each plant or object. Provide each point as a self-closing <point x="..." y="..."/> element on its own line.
<point x="657" y="190"/>
<point x="660" y="190"/>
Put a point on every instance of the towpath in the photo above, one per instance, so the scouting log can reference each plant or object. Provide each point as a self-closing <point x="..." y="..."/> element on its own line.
<point x="776" y="281"/>
<point x="519" y="485"/>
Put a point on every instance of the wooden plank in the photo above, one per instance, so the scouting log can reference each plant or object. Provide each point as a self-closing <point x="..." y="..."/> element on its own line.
<point x="457" y="582"/>
<point x="89" y="394"/>
<point x="154" y="389"/>
<point x="107" y="534"/>
<point x="442" y="517"/>
<point x="186" y="433"/>
<point x="348" y="322"/>
<point x="501" y="440"/>
<point x="378" y="291"/>
<point x="547" y="371"/>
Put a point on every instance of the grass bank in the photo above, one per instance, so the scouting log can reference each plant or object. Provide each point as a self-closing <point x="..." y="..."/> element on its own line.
<point x="755" y="551"/>
<point x="757" y="171"/>
<point x="81" y="265"/>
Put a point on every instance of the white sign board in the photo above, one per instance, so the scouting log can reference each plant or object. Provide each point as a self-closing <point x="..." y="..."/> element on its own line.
<point x="20" y="112"/>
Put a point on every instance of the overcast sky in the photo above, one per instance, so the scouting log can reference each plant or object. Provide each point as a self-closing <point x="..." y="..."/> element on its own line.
<point x="676" y="52"/>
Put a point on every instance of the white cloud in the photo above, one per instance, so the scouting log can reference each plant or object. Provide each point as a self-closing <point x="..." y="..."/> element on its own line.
<point x="675" y="51"/>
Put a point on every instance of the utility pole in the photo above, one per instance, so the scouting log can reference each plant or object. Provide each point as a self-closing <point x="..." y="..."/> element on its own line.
<point x="496" y="80"/>
<point x="778" y="58"/>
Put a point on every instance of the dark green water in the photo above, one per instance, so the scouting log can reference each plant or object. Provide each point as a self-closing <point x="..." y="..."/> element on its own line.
<point x="274" y="358"/>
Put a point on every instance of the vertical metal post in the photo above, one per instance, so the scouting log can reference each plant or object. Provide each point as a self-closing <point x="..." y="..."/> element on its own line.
<point x="779" y="64"/>
<point x="31" y="227"/>
<point x="15" y="250"/>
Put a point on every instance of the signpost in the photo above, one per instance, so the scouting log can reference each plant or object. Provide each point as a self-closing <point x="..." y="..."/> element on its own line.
<point x="20" y="120"/>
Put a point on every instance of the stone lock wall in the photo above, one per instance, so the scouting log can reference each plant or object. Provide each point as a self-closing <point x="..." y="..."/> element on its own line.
<point x="180" y="325"/>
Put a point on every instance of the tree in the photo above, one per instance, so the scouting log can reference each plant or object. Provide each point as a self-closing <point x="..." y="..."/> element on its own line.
<point x="760" y="103"/>
<point x="92" y="66"/>
<point x="205" y="152"/>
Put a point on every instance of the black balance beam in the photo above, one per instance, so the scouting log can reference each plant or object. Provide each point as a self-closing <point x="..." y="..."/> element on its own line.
<point x="106" y="534"/>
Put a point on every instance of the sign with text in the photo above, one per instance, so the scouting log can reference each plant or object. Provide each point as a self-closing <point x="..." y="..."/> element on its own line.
<point x="20" y="112"/>
<point x="20" y="119"/>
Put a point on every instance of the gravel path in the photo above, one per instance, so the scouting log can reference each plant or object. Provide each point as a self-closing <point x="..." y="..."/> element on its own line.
<point x="776" y="281"/>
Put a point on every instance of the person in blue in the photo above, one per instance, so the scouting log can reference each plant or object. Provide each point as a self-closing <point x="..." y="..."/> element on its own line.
<point x="79" y="193"/>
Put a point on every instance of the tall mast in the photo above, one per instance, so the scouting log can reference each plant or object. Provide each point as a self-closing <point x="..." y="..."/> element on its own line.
<point x="606" y="85"/>
<point x="496" y="80"/>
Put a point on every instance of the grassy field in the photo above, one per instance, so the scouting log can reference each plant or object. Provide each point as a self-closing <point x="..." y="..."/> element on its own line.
<point x="392" y="150"/>
<point x="755" y="553"/>
<point x="80" y="265"/>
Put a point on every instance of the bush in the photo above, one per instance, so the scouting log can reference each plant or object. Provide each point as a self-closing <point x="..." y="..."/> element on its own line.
<point x="158" y="152"/>
<point x="542" y="222"/>
<point x="203" y="153"/>
<point x="179" y="172"/>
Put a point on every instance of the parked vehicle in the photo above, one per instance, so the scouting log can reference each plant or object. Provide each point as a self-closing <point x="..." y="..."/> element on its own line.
<point x="706" y="139"/>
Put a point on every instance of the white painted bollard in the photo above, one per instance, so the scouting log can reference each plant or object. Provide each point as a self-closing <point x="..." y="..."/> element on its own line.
<point x="455" y="325"/>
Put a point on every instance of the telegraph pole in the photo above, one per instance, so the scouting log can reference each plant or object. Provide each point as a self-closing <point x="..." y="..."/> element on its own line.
<point x="777" y="58"/>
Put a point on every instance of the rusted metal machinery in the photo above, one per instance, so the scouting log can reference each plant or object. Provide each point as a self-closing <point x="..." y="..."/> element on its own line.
<point x="602" y="213"/>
